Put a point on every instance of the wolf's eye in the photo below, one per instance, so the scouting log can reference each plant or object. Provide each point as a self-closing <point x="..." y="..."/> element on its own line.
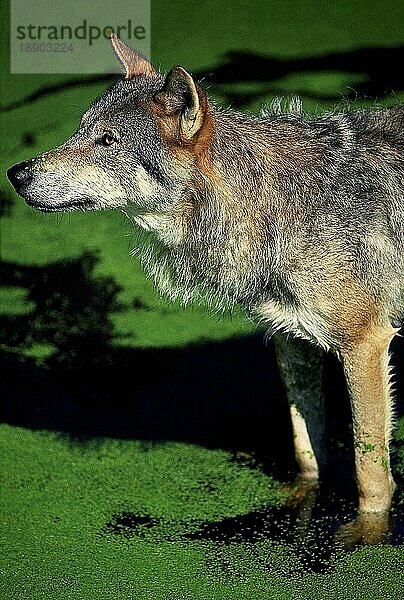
<point x="107" y="139"/>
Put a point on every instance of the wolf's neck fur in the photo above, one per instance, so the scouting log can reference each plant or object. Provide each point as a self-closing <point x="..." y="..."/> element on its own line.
<point x="224" y="235"/>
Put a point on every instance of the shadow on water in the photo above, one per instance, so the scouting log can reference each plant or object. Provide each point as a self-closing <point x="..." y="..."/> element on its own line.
<point x="88" y="388"/>
<point x="6" y="202"/>
<point x="310" y="531"/>
<point x="375" y="69"/>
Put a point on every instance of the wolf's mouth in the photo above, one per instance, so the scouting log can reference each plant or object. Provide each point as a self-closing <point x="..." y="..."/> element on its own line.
<point x="82" y="204"/>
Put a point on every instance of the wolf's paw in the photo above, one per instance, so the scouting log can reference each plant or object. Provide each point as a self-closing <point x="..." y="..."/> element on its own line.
<point x="302" y="491"/>
<point x="366" y="529"/>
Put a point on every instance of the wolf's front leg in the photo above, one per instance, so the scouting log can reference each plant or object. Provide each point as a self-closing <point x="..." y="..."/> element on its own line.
<point x="301" y="365"/>
<point x="366" y="366"/>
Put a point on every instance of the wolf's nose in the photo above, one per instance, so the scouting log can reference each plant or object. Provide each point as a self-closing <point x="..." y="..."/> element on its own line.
<point x="19" y="174"/>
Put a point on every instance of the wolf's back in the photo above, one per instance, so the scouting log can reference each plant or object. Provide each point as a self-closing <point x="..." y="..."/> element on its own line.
<point x="380" y="143"/>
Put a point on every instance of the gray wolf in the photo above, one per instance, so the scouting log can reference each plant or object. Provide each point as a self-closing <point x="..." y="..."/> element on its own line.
<point x="297" y="219"/>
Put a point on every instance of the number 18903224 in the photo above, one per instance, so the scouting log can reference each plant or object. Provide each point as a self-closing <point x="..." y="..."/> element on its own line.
<point x="46" y="47"/>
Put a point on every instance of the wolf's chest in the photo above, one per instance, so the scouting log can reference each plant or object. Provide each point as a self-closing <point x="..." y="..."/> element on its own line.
<point x="302" y="321"/>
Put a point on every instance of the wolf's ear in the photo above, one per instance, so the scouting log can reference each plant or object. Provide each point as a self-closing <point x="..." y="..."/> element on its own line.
<point x="181" y="95"/>
<point x="133" y="62"/>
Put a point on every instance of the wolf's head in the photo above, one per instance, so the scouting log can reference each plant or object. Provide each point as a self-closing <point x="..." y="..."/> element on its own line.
<point x="138" y="145"/>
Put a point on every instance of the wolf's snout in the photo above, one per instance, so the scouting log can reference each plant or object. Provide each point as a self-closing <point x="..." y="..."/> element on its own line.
<point x="19" y="174"/>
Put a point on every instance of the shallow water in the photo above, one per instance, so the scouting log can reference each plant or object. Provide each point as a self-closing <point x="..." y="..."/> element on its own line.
<point x="309" y="532"/>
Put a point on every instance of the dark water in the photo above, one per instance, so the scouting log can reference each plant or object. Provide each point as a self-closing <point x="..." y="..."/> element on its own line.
<point x="310" y="531"/>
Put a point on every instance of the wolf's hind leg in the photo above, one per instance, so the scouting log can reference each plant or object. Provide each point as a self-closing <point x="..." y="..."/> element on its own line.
<point x="301" y="367"/>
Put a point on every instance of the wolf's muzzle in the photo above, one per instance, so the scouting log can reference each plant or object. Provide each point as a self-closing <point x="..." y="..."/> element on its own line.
<point x="19" y="175"/>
